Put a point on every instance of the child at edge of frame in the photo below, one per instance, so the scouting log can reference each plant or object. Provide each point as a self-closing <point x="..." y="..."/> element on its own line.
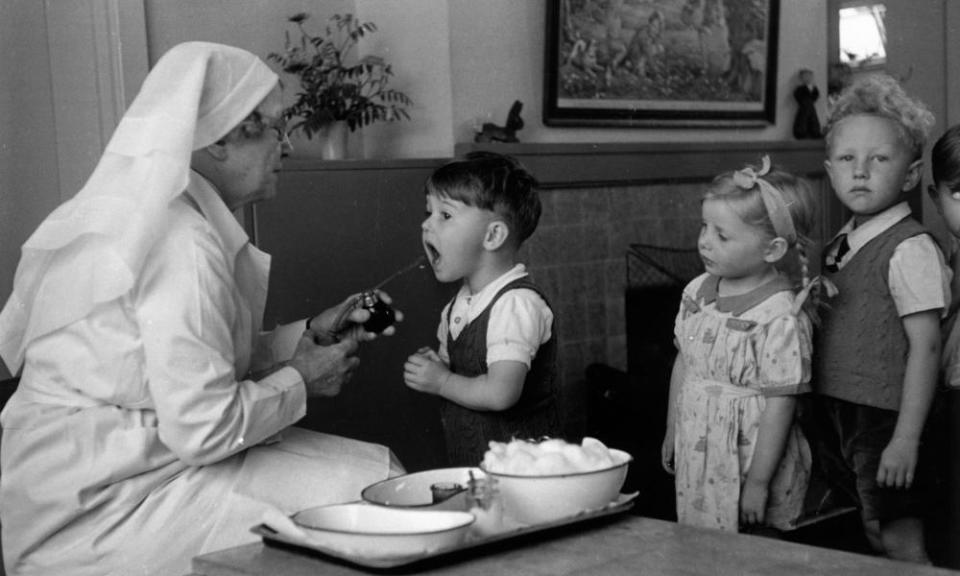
<point x="495" y="368"/>
<point x="877" y="349"/>
<point x="945" y="194"/>
<point x="744" y="333"/>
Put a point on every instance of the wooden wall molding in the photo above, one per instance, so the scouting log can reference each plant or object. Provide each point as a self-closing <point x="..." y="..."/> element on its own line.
<point x="597" y="165"/>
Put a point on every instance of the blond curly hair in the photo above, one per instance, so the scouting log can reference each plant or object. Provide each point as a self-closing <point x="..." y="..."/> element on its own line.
<point x="881" y="95"/>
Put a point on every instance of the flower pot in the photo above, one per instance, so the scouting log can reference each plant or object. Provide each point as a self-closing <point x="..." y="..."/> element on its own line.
<point x="330" y="143"/>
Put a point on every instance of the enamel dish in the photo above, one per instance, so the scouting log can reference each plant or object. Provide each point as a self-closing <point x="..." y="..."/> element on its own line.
<point x="417" y="490"/>
<point x="535" y="500"/>
<point x="358" y="530"/>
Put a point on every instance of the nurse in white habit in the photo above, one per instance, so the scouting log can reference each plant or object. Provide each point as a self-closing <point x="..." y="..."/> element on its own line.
<point x="153" y="417"/>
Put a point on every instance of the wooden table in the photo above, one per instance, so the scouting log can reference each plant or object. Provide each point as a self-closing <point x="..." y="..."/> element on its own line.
<point x="623" y="544"/>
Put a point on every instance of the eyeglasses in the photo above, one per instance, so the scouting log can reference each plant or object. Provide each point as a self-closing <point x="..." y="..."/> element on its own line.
<point x="279" y="127"/>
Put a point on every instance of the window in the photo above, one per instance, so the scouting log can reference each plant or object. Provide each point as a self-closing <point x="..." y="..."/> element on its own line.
<point x="863" y="36"/>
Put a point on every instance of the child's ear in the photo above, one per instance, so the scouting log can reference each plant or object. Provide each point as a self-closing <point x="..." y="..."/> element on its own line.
<point x="828" y="167"/>
<point x="914" y="172"/>
<point x="496" y="236"/>
<point x="776" y="250"/>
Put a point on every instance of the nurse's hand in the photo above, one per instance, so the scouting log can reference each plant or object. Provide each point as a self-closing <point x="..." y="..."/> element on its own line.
<point x="324" y="369"/>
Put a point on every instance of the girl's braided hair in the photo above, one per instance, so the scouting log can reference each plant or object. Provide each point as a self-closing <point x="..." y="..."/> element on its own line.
<point x="744" y="196"/>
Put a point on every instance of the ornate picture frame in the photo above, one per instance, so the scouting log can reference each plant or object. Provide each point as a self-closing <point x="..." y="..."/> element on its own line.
<point x="682" y="63"/>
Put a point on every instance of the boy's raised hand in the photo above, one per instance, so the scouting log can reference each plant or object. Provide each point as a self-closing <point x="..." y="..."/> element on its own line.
<point x="425" y="371"/>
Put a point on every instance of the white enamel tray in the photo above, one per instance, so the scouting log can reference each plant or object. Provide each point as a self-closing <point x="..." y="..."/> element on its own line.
<point x="282" y="529"/>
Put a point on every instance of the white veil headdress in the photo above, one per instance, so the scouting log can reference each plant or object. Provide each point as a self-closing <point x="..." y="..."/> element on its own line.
<point x="92" y="248"/>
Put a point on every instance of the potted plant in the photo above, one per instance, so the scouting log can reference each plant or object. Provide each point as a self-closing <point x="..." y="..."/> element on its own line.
<point x="334" y="92"/>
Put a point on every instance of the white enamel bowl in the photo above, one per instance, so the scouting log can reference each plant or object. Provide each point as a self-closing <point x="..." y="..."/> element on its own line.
<point x="357" y="530"/>
<point x="412" y="491"/>
<point x="539" y="499"/>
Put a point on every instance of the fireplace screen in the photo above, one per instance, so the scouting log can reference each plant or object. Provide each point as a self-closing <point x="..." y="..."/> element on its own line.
<point x="649" y="265"/>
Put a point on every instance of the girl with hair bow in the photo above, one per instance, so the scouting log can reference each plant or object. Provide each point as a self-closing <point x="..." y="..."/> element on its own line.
<point x="744" y="339"/>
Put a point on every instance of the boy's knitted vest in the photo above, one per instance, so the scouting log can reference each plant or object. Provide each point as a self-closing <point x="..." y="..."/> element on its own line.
<point x="535" y="414"/>
<point x="862" y="350"/>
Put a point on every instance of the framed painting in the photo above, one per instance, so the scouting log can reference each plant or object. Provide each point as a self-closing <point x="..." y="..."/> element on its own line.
<point x="623" y="63"/>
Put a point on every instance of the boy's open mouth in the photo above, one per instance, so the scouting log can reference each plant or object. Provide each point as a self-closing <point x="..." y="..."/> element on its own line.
<point x="432" y="253"/>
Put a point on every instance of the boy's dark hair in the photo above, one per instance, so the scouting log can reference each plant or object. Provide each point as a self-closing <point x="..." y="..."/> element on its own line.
<point x="495" y="182"/>
<point x="945" y="159"/>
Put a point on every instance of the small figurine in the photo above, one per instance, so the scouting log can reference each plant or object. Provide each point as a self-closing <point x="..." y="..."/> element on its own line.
<point x="490" y="132"/>
<point x="806" y="125"/>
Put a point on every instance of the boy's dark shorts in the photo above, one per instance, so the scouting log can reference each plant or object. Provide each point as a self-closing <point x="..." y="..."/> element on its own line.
<point x="848" y="440"/>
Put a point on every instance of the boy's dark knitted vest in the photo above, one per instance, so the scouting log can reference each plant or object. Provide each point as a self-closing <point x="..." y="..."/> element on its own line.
<point x="537" y="412"/>
<point x="861" y="353"/>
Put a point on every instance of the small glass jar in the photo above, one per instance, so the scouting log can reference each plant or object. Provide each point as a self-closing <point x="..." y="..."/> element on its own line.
<point x="484" y="502"/>
<point x="443" y="491"/>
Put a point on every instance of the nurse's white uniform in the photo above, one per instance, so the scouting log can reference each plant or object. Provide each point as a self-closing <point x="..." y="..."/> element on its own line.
<point x="123" y="445"/>
<point x="130" y="445"/>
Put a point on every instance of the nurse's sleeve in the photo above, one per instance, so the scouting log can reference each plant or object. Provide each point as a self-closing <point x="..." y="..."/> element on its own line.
<point x="277" y="346"/>
<point x="185" y="305"/>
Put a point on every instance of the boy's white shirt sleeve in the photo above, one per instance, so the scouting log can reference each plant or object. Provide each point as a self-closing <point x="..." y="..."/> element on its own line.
<point x="520" y="322"/>
<point x="918" y="277"/>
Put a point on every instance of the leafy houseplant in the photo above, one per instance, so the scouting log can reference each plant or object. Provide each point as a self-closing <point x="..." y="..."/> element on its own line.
<point x="332" y="90"/>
